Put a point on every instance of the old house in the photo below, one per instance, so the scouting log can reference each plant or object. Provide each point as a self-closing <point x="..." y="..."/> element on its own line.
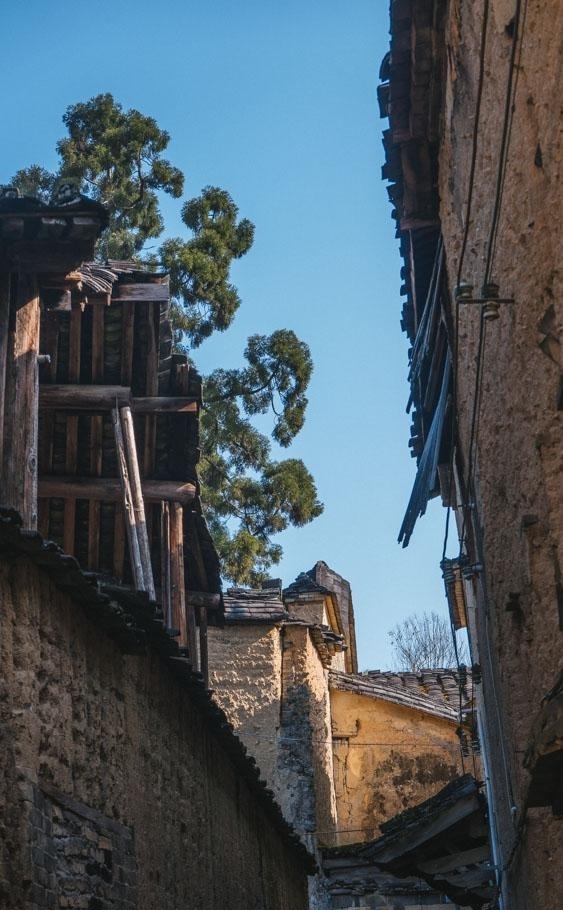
<point x="342" y="751"/>
<point x="473" y="156"/>
<point x="122" y="784"/>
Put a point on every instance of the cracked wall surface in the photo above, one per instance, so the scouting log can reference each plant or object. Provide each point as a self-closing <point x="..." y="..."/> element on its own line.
<point x="386" y="759"/>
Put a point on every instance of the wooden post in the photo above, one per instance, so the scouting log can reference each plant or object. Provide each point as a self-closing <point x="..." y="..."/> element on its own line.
<point x="96" y="435"/>
<point x="177" y="580"/>
<point x="127" y="334"/>
<point x="134" y="552"/>
<point x="165" y="585"/>
<point x="75" y="334"/>
<point x="203" y="655"/>
<point x="138" y="502"/>
<point x="19" y="474"/>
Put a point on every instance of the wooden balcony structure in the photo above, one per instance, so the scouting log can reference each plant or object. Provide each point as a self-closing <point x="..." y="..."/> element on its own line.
<point x="99" y="419"/>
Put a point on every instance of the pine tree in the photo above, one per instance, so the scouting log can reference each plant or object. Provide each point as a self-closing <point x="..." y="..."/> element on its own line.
<point x="115" y="156"/>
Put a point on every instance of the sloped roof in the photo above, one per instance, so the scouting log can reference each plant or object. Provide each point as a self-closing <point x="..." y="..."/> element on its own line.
<point x="440" y="692"/>
<point x="445" y="840"/>
<point x="305" y="584"/>
<point x="254" y="605"/>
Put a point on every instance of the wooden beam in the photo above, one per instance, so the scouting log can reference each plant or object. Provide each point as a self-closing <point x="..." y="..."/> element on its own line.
<point x="96" y="436"/>
<point x="454" y="861"/>
<point x="74" y="397"/>
<point x="109" y="489"/>
<point x="19" y="475"/>
<point x="165" y="563"/>
<point x="71" y="458"/>
<point x="177" y="581"/>
<point x="104" y="397"/>
<point x="162" y="404"/>
<point x="151" y="386"/>
<point x="127" y="335"/>
<point x="204" y="599"/>
<point x="145" y="292"/>
<point x="203" y="651"/>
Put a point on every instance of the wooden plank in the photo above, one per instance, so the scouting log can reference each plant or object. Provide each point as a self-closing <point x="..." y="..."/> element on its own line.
<point x="75" y="336"/>
<point x="203" y="650"/>
<point x="75" y="397"/>
<point x="177" y="582"/>
<point x="204" y="599"/>
<point x="161" y="405"/>
<point x="96" y="435"/>
<point x="165" y="567"/>
<point x="138" y="500"/>
<point x="127" y="334"/>
<point x="74" y="344"/>
<point x="145" y="292"/>
<point x="119" y="535"/>
<point x="151" y="387"/>
<point x="134" y="551"/>
<point x="103" y="398"/>
<point x="109" y="489"/>
<point x="50" y="328"/>
<point x="454" y="861"/>
<point x="19" y="474"/>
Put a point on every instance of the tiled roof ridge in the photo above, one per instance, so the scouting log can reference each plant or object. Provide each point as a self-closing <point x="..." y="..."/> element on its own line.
<point x="402" y="695"/>
<point x="305" y="584"/>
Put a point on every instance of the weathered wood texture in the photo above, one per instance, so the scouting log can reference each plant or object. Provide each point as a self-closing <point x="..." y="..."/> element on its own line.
<point x="138" y="501"/>
<point x="109" y="488"/>
<point x="19" y="474"/>
<point x="177" y="583"/>
<point x="130" y="523"/>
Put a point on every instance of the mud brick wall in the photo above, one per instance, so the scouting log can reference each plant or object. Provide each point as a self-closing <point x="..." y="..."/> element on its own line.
<point x="517" y="622"/>
<point x="245" y="676"/>
<point x="406" y="756"/>
<point x="114" y="789"/>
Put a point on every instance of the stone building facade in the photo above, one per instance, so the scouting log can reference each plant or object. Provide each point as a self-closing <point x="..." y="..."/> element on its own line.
<point x="343" y="752"/>
<point x="474" y="157"/>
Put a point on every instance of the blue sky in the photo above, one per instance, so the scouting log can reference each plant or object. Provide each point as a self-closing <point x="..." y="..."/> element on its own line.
<point x="275" y="102"/>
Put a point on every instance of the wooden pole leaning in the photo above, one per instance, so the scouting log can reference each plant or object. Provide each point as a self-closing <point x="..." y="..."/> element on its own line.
<point x="130" y="525"/>
<point x="138" y="501"/>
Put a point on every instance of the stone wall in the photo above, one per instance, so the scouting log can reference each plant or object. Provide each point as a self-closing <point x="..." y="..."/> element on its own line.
<point x="114" y="788"/>
<point x="387" y="758"/>
<point x="518" y="528"/>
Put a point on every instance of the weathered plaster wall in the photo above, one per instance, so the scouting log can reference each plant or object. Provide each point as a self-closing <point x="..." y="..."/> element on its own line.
<point x="109" y="776"/>
<point x="386" y="758"/>
<point x="245" y="664"/>
<point x="519" y="447"/>
<point x="304" y="779"/>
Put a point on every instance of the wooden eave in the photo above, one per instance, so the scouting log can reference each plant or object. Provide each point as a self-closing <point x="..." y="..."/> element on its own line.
<point x="445" y="841"/>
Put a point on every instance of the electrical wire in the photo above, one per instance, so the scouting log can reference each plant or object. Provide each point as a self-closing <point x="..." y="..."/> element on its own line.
<point x="470" y="189"/>
<point x="512" y="82"/>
